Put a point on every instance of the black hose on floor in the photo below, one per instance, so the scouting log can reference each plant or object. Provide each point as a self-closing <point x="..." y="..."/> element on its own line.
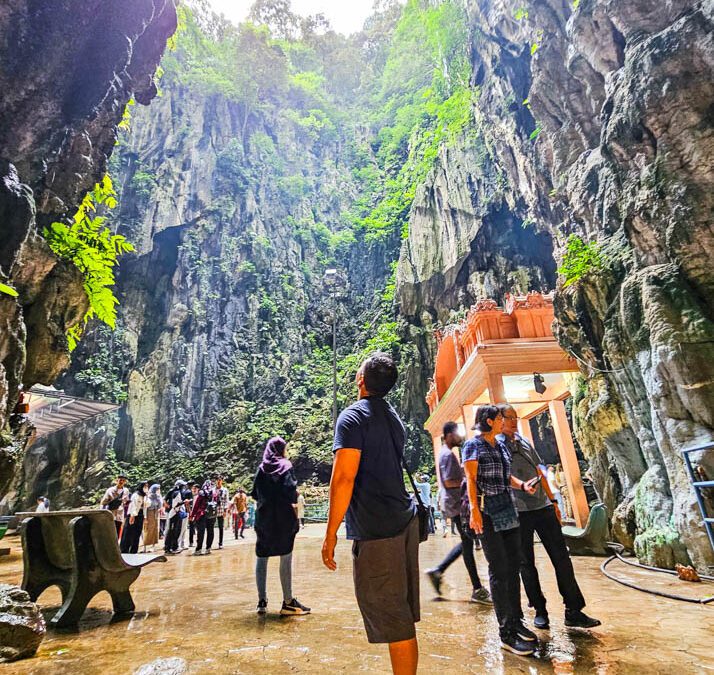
<point x="617" y="550"/>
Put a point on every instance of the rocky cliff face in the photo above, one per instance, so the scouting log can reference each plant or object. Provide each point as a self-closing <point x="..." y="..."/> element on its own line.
<point x="590" y="143"/>
<point x="225" y="320"/>
<point x="61" y="102"/>
<point x="597" y="117"/>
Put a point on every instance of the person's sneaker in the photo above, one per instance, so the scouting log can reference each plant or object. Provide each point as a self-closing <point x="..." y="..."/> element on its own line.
<point x="208" y="551"/>
<point x="242" y="536"/>
<point x="198" y="551"/>
<point x="293" y="608"/>
<point x="575" y="618"/>
<point x="481" y="596"/>
<point x="220" y="546"/>
<point x="262" y="607"/>
<point x="525" y="633"/>
<point x="512" y="643"/>
<point x="541" y="621"/>
<point x="435" y="578"/>
<point x="477" y="544"/>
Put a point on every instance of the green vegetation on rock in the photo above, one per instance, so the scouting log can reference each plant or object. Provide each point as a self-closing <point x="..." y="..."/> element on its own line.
<point x="580" y="258"/>
<point x="94" y="250"/>
<point x="315" y="145"/>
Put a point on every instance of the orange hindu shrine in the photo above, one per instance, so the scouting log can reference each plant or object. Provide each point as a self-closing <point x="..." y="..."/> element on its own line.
<point x="492" y="356"/>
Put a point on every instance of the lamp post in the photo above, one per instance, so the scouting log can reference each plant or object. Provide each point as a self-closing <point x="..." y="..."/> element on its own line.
<point x="332" y="280"/>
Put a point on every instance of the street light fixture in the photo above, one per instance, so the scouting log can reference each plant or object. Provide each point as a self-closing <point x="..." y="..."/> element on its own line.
<point x="332" y="281"/>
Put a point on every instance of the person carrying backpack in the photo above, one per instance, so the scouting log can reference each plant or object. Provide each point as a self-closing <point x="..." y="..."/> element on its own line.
<point x="174" y="511"/>
<point x="203" y="514"/>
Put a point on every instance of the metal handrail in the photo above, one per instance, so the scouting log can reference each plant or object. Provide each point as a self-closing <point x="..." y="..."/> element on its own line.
<point x="699" y="448"/>
<point x="698" y="486"/>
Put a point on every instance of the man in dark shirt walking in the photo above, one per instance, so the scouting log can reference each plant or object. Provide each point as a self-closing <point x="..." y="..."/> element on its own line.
<point x="367" y="490"/>
<point x="451" y="475"/>
<point x="539" y="513"/>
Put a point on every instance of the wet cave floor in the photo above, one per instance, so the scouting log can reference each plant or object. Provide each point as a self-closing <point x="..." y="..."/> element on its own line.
<point x="202" y="610"/>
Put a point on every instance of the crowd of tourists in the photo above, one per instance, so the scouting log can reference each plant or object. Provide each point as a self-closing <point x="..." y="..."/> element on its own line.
<point x="494" y="488"/>
<point x="144" y="516"/>
<point x="496" y="493"/>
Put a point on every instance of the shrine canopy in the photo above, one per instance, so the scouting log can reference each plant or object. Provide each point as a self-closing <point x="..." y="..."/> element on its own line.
<point x="506" y="355"/>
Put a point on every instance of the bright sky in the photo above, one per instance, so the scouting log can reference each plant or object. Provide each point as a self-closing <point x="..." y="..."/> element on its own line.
<point x="345" y="16"/>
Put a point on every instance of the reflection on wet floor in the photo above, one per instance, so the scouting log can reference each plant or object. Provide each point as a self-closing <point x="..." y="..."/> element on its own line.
<point x="201" y="611"/>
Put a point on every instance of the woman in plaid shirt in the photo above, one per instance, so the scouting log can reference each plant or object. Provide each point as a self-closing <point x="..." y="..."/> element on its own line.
<point x="487" y="464"/>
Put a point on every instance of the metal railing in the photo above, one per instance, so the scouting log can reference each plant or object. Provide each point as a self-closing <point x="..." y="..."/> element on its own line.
<point x="699" y="486"/>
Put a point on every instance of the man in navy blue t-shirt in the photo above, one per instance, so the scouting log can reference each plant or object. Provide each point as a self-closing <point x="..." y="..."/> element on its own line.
<point x="367" y="490"/>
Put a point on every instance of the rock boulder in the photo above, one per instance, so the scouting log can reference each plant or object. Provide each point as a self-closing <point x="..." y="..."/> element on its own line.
<point x="22" y="626"/>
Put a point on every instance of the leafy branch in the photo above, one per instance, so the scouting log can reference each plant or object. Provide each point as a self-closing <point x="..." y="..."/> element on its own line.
<point x="92" y="248"/>
<point x="580" y="259"/>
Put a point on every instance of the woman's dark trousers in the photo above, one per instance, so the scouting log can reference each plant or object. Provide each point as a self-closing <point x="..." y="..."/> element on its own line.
<point x="204" y="527"/>
<point x="545" y="523"/>
<point x="239" y="524"/>
<point x="132" y="534"/>
<point x="173" y="531"/>
<point x="503" y="552"/>
<point x="465" y="548"/>
<point x="220" y="522"/>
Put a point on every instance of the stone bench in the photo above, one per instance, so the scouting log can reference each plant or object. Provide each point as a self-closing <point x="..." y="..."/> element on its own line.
<point x="78" y="551"/>
<point x="592" y="539"/>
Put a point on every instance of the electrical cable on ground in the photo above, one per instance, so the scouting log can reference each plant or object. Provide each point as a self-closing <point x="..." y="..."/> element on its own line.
<point x="617" y="550"/>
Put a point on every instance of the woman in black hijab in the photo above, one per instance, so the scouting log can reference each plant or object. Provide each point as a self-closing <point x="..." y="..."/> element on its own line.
<point x="276" y="523"/>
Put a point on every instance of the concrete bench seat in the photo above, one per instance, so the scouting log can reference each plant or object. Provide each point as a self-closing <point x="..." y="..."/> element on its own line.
<point x="78" y="552"/>
<point x="591" y="539"/>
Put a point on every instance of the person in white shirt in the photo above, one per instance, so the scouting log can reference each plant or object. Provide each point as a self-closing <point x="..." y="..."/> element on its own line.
<point x="114" y="500"/>
<point x="187" y="503"/>
<point x="137" y="509"/>
<point x="43" y="505"/>
<point x="222" y="498"/>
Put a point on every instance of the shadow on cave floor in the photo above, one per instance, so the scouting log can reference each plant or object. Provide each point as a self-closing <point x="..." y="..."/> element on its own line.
<point x="202" y="611"/>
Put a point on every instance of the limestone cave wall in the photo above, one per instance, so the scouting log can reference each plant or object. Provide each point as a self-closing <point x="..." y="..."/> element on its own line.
<point x="591" y="124"/>
<point x="596" y="122"/>
<point x="67" y="71"/>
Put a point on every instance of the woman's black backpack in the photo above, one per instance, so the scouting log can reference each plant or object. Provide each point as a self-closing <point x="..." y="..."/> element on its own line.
<point x="211" y="506"/>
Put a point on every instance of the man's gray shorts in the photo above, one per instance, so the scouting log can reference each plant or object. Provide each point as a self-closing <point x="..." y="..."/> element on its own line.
<point x="386" y="574"/>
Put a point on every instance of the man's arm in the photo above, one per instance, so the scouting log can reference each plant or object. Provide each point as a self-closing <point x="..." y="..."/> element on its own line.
<point x="519" y="484"/>
<point x="471" y="470"/>
<point x="342" y="483"/>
